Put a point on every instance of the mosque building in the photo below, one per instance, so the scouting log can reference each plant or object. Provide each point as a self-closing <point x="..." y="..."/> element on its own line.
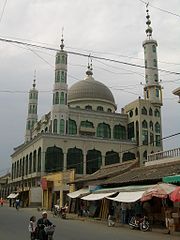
<point x="83" y="130"/>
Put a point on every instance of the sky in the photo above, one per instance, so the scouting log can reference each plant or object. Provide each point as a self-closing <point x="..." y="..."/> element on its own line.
<point x="112" y="29"/>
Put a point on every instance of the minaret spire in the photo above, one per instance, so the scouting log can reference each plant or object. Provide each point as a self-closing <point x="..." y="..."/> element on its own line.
<point x="89" y="70"/>
<point x="62" y="40"/>
<point x="148" y="23"/>
<point x="32" y="116"/>
<point x="59" y="113"/>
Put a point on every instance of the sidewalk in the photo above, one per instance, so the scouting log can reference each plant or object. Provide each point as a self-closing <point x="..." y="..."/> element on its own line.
<point x="98" y="220"/>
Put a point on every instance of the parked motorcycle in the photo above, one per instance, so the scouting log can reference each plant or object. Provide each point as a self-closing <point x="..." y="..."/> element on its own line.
<point x="139" y="223"/>
<point x="59" y="212"/>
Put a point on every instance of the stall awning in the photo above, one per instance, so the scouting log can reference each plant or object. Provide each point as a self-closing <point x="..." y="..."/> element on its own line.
<point x="172" y="179"/>
<point x="97" y="196"/>
<point x="13" y="195"/>
<point x="127" y="197"/>
<point x="78" y="193"/>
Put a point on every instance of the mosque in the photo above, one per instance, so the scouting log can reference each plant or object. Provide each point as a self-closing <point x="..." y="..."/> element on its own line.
<point x="83" y="130"/>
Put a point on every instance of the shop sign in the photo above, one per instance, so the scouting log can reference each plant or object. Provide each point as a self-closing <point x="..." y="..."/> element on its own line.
<point x="44" y="183"/>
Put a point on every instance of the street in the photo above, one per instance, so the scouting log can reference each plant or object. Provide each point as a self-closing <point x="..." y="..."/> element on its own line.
<point x="14" y="226"/>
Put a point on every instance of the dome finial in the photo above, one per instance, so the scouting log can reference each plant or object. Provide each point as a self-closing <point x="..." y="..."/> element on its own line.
<point x="89" y="71"/>
<point x="34" y="81"/>
<point x="62" y="39"/>
<point x="148" y="23"/>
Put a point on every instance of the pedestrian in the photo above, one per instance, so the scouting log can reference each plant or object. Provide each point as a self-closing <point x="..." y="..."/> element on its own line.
<point x="41" y="224"/>
<point x="111" y="222"/>
<point x="17" y="202"/>
<point x="1" y="201"/>
<point x="123" y="212"/>
<point x="32" y="228"/>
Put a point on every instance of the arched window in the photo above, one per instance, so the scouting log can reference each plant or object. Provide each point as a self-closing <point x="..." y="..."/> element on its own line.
<point x="34" y="161"/>
<point x="75" y="160"/>
<point x="144" y="111"/>
<point x="131" y="113"/>
<point x="103" y="130"/>
<point x="87" y="124"/>
<point x="94" y="161"/>
<point x="150" y="112"/>
<point x="56" y="98"/>
<point x="119" y="132"/>
<point x="27" y="165"/>
<point x="88" y="107"/>
<point x="152" y="139"/>
<point x="62" y="77"/>
<point x="128" y="156"/>
<point x="72" y="127"/>
<point x="144" y="124"/>
<point x="155" y="77"/>
<point x="57" y="77"/>
<point x="54" y="159"/>
<point x="109" y="110"/>
<point x="157" y="127"/>
<point x="157" y="92"/>
<point x="145" y="155"/>
<point x="156" y="113"/>
<point x="154" y="48"/>
<point x="61" y="127"/>
<point x="155" y="63"/>
<point x="111" y="158"/>
<point x="145" y="137"/>
<point x="39" y="160"/>
<point x="62" y="99"/>
<point x="55" y="126"/>
<point x="30" y="163"/>
<point x="57" y="59"/>
<point x="99" y="108"/>
<point x="151" y="125"/>
<point x="63" y="59"/>
<point x="136" y="111"/>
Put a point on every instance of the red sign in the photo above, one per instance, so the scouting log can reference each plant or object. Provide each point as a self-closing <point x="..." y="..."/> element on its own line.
<point x="44" y="183"/>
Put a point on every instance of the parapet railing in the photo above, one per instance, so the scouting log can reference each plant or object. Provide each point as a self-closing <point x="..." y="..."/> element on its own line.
<point x="164" y="154"/>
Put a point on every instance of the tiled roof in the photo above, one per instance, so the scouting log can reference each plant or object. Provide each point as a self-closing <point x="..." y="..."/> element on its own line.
<point x="146" y="173"/>
<point x="109" y="171"/>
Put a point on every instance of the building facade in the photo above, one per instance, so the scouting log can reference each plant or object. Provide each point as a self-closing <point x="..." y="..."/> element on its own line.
<point x="83" y="130"/>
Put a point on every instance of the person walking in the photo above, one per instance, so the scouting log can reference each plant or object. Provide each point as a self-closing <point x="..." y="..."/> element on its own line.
<point x="17" y="203"/>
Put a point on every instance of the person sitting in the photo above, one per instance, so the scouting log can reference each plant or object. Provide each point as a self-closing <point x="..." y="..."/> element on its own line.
<point x="41" y="224"/>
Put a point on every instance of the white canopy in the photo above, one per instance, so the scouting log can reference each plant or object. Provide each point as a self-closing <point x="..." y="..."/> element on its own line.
<point x="127" y="196"/>
<point x="97" y="196"/>
<point x="78" y="193"/>
<point x="13" y="195"/>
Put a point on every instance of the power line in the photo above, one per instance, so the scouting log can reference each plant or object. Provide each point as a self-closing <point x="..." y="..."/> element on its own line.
<point x="87" y="55"/>
<point x="3" y="10"/>
<point x="160" y="9"/>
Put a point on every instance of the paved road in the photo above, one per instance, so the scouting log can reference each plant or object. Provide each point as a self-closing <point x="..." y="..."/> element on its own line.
<point x="14" y="226"/>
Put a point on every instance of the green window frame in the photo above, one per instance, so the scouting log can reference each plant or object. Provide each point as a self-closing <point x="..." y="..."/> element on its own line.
<point x="119" y="132"/>
<point x="62" y="99"/>
<point x="56" y="98"/>
<point x="72" y="127"/>
<point x="55" y="126"/>
<point x="103" y="130"/>
<point x="61" y="127"/>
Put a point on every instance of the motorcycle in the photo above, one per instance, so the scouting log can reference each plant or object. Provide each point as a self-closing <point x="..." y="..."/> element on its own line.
<point x="59" y="212"/>
<point x="49" y="230"/>
<point x="139" y="223"/>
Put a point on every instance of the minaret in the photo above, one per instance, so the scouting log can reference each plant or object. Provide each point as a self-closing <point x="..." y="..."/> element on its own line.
<point x="32" y="116"/>
<point x="152" y="89"/>
<point x="59" y="114"/>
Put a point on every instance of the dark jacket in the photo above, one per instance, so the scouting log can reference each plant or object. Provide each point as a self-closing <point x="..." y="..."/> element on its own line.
<point x="41" y="223"/>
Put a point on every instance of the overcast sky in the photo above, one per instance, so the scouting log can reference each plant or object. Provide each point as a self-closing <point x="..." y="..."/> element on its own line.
<point x="108" y="28"/>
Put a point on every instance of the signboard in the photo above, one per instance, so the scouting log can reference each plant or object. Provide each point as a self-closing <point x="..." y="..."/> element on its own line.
<point x="44" y="183"/>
